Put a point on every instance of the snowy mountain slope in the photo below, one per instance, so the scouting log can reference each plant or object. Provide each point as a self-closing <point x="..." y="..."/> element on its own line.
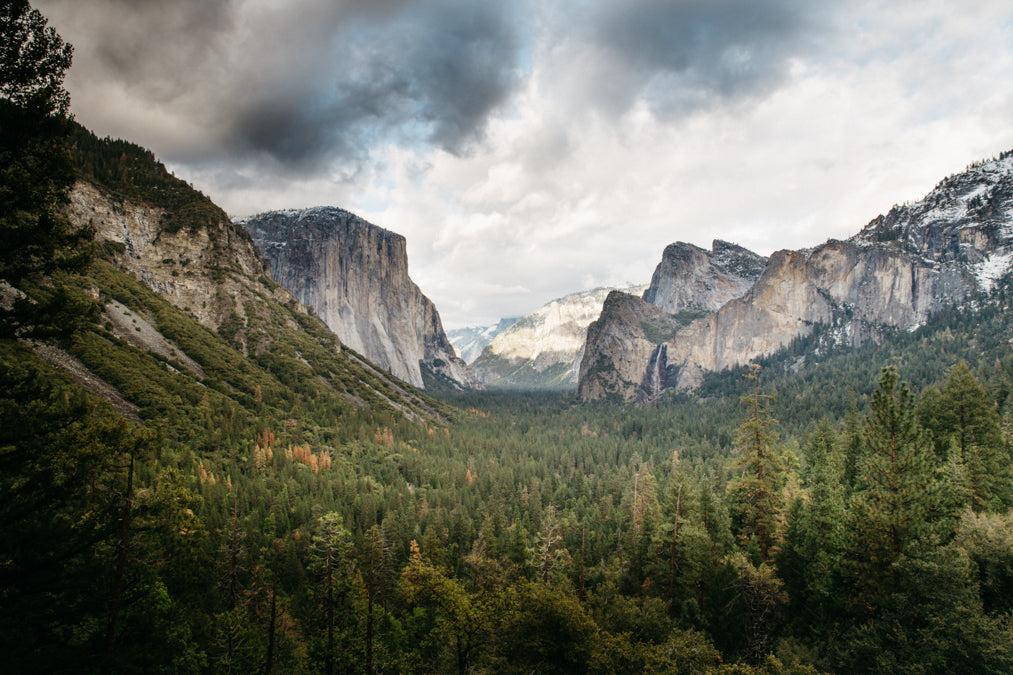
<point x="896" y="272"/>
<point x="469" y="342"/>
<point x="543" y="350"/>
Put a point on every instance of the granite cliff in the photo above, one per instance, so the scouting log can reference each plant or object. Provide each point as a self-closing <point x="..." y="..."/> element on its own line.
<point x="622" y="345"/>
<point x="543" y="350"/>
<point x="691" y="278"/>
<point x="896" y="272"/>
<point x="355" y="276"/>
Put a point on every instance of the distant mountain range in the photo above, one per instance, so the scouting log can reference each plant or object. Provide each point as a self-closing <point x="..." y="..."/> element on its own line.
<point x="899" y="270"/>
<point x="704" y="310"/>
<point x="543" y="349"/>
<point x="469" y="342"/>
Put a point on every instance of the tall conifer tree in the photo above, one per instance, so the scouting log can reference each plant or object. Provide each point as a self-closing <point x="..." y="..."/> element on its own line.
<point x="755" y="495"/>
<point x="811" y="556"/>
<point x="968" y="416"/>
<point x="895" y="508"/>
<point x="35" y="174"/>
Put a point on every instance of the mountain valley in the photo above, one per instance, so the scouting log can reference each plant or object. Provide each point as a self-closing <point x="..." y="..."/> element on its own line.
<point x="542" y="350"/>
<point x="251" y="447"/>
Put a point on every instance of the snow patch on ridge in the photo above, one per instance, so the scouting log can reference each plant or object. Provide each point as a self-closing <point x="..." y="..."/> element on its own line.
<point x="991" y="268"/>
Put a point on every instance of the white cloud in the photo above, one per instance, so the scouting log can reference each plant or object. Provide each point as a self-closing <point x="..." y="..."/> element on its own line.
<point x="596" y="160"/>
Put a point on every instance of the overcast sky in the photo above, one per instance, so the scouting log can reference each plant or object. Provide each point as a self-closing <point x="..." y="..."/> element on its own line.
<point x="529" y="149"/>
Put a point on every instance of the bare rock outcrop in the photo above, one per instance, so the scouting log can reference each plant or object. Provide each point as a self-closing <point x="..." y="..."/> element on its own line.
<point x="214" y="272"/>
<point x="355" y="276"/>
<point x="691" y="278"/>
<point x="875" y="287"/>
<point x="899" y="270"/>
<point x="622" y="358"/>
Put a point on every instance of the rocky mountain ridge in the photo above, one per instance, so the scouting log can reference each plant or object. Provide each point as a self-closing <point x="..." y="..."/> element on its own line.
<point x="470" y="341"/>
<point x="180" y="289"/>
<point x="543" y="350"/>
<point x="896" y="272"/>
<point x="211" y="272"/>
<point x="691" y="278"/>
<point x="355" y="277"/>
<point x="214" y="277"/>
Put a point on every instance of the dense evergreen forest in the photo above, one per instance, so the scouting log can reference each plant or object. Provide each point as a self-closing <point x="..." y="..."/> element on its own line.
<point x="847" y="512"/>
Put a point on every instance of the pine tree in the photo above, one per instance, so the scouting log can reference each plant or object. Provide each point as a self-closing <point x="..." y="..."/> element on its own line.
<point x="895" y="509"/>
<point x="810" y="560"/>
<point x="967" y="415"/>
<point x="331" y="548"/>
<point x="62" y="474"/>
<point x="35" y="174"/>
<point x="375" y="563"/>
<point x="549" y="555"/>
<point x="853" y="444"/>
<point x="755" y="495"/>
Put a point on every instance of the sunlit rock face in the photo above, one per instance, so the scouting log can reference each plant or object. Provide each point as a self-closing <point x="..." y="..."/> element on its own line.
<point x="899" y="270"/>
<point x="470" y="341"/>
<point x="355" y="276"/>
<point x="543" y="350"/>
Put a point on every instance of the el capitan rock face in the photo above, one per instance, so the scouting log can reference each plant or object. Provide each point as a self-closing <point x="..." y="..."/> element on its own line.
<point x="899" y="270"/>
<point x="355" y="276"/>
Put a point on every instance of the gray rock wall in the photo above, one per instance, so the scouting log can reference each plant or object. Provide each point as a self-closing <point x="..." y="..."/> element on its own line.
<point x="355" y="276"/>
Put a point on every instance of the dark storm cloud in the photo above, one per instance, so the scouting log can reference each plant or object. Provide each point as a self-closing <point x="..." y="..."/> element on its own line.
<point x="682" y="55"/>
<point x="302" y="82"/>
<point x="151" y="46"/>
<point x="429" y="74"/>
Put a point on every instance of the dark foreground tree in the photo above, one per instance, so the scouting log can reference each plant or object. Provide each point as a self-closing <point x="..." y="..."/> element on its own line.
<point x="36" y="172"/>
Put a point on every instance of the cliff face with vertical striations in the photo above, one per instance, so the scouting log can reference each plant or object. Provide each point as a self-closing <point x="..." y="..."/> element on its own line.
<point x="543" y="350"/>
<point x="621" y="358"/>
<point x="355" y="276"/>
<point x="900" y="269"/>
<point x="691" y="278"/>
<point x="688" y="283"/>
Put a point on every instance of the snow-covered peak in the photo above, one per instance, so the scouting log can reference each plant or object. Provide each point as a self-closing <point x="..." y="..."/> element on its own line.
<point x="964" y="218"/>
<point x="470" y="341"/>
